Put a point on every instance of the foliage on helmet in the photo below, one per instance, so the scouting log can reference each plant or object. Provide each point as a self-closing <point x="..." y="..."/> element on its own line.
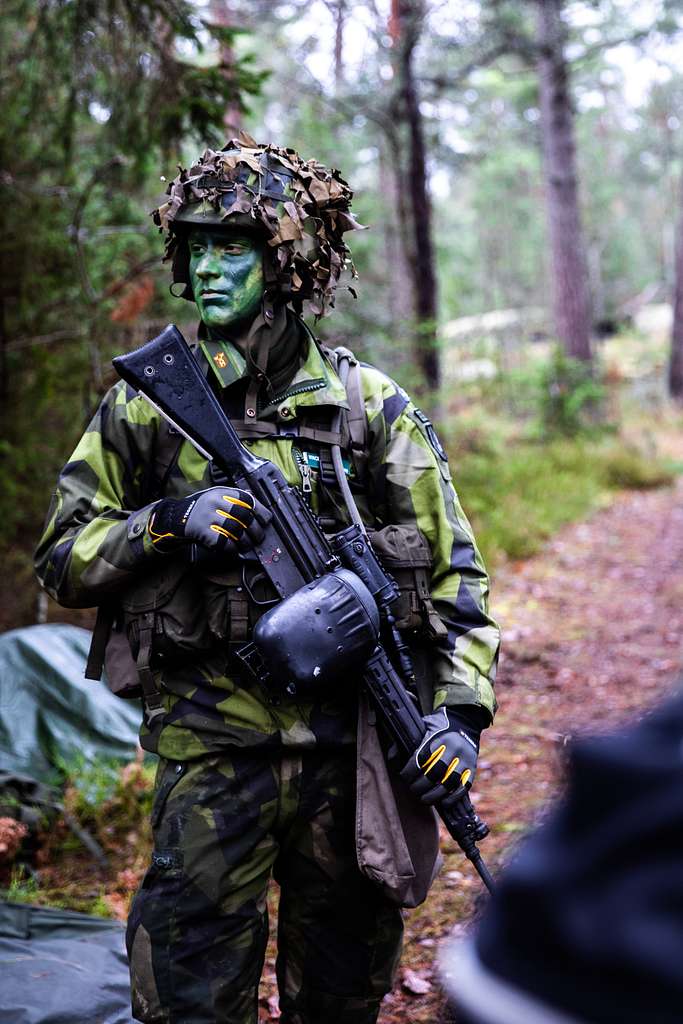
<point x="300" y="206"/>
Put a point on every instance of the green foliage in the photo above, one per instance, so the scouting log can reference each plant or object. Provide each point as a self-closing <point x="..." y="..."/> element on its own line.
<point x="519" y="497"/>
<point x="519" y="492"/>
<point x="22" y="888"/>
<point x="95" y="100"/>
<point x="570" y="396"/>
<point x="26" y="888"/>
<point x="100" y="794"/>
<point x="626" y="466"/>
<point x="100" y="908"/>
<point x="94" y="782"/>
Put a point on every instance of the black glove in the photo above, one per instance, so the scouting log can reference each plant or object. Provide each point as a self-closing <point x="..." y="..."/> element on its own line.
<point x="223" y="519"/>
<point x="447" y="757"/>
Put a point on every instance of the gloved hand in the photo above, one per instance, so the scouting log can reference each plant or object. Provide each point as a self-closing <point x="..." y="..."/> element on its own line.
<point x="447" y="757"/>
<point x="223" y="519"/>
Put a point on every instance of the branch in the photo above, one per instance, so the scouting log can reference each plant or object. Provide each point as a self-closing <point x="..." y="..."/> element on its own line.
<point x="352" y="107"/>
<point x="445" y="82"/>
<point x="609" y="44"/>
<point x="138" y="268"/>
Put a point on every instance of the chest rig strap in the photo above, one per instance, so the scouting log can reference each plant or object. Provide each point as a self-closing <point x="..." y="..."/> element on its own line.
<point x="253" y="430"/>
<point x="355" y="422"/>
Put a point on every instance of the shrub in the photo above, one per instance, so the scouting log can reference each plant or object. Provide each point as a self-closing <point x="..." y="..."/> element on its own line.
<point x="625" y="466"/>
<point x="570" y="396"/>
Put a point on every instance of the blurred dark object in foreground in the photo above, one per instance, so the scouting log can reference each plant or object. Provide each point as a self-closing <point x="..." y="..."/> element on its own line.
<point x="587" y="922"/>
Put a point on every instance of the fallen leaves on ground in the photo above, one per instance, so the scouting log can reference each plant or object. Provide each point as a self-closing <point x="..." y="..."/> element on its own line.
<point x="414" y="983"/>
<point x="592" y="635"/>
<point x="12" y="835"/>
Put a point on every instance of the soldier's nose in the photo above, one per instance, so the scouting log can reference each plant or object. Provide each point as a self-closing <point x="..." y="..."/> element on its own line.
<point x="207" y="268"/>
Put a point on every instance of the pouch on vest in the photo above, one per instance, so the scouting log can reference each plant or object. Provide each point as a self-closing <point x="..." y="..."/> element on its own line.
<point x="159" y="617"/>
<point x="235" y="599"/>
<point x="397" y="836"/>
<point x="165" y="608"/>
<point x="404" y="552"/>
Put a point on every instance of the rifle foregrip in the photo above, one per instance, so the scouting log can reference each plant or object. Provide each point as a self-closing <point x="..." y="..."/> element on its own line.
<point x="405" y="725"/>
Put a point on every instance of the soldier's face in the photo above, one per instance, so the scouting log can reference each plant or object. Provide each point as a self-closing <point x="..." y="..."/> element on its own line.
<point x="226" y="273"/>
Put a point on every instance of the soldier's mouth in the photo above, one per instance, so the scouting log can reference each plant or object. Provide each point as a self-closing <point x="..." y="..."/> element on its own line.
<point x="213" y="296"/>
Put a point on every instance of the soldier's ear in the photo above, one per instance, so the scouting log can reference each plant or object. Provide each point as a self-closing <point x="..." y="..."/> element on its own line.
<point x="181" y="271"/>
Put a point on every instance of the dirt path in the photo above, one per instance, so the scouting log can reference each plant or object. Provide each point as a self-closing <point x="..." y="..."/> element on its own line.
<point x="593" y="632"/>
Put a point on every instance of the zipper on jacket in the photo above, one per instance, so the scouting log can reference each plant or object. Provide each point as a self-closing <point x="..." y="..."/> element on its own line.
<point x="305" y="471"/>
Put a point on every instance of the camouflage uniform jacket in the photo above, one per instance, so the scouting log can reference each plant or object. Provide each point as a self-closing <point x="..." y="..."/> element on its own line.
<point x="94" y="546"/>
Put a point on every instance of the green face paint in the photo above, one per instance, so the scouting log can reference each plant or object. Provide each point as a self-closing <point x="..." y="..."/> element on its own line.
<point x="226" y="273"/>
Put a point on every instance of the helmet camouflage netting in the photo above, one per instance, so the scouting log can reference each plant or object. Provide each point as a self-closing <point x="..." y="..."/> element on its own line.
<point x="300" y="206"/>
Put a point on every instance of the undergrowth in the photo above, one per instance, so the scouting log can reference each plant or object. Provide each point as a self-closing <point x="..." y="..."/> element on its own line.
<point x="518" y="492"/>
<point x="93" y="853"/>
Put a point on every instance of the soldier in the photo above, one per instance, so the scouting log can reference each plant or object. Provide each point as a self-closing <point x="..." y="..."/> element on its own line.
<point x="252" y="784"/>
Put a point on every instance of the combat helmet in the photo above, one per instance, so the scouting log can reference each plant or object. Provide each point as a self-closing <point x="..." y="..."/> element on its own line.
<point x="300" y="207"/>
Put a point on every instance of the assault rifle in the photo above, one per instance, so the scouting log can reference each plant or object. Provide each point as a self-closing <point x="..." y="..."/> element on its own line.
<point x="335" y="596"/>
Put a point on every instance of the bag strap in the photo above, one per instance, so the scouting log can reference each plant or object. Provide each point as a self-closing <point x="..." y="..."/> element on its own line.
<point x="106" y="615"/>
<point x="348" y="369"/>
<point x="150" y="692"/>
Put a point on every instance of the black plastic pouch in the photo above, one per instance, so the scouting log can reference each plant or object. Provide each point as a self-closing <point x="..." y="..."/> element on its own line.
<point x="321" y="633"/>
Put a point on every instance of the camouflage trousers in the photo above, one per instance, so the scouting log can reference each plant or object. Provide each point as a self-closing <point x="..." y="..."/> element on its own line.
<point x="198" y="927"/>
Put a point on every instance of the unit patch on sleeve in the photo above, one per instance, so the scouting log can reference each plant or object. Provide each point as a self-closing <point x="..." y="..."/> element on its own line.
<point x="430" y="434"/>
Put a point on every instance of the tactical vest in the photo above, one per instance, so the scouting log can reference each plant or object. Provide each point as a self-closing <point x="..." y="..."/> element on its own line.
<point x="172" y="612"/>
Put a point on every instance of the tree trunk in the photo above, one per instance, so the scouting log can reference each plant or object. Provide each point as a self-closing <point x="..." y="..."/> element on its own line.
<point x="571" y="298"/>
<point x="676" y="356"/>
<point x="221" y="14"/>
<point x="396" y="246"/>
<point x="406" y="25"/>
<point x="4" y="376"/>
<point x="340" y="18"/>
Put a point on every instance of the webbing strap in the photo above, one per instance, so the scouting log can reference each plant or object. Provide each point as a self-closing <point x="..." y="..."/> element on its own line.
<point x="98" y="645"/>
<point x="249" y="430"/>
<point x="423" y="600"/>
<point x="239" y="614"/>
<point x="348" y="369"/>
<point x="324" y="436"/>
<point x="166" y="451"/>
<point x="152" y="697"/>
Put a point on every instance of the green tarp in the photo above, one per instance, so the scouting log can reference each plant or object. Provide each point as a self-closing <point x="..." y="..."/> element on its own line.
<point x="50" y="715"/>
<point x="60" y="967"/>
<point x="57" y="966"/>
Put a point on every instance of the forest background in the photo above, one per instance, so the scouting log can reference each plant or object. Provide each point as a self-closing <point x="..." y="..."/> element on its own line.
<point x="519" y="168"/>
<point x="501" y="153"/>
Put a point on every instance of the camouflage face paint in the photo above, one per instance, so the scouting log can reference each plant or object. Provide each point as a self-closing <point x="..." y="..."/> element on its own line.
<point x="226" y="272"/>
